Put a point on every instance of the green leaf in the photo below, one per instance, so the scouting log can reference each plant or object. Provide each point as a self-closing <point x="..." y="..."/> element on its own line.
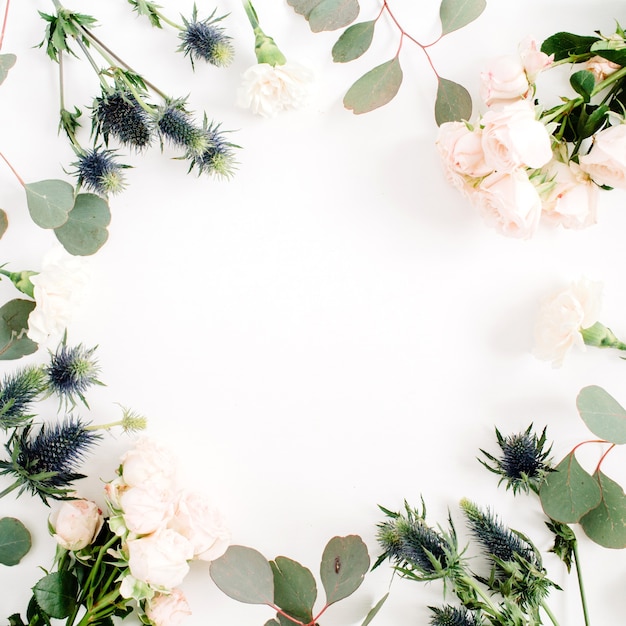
<point x="49" y="202"/>
<point x="374" y="89"/>
<point x="85" y="231"/>
<point x="583" y="83"/>
<point x="569" y="491"/>
<point x="563" y="45"/>
<point x="4" y="222"/>
<point x="374" y="610"/>
<point x="14" y="541"/>
<point x="602" y="414"/>
<point x="245" y="575"/>
<point x="606" y="523"/>
<point x="303" y="7"/>
<point x="333" y="14"/>
<point x="14" y="343"/>
<point x="345" y="562"/>
<point x="354" y="41"/>
<point x="593" y="121"/>
<point x="56" y="594"/>
<point x="294" y="588"/>
<point x="453" y="102"/>
<point x="7" y="61"/>
<point x="455" y="14"/>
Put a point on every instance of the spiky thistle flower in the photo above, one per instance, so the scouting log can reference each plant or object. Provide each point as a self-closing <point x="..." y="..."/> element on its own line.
<point x="98" y="171"/>
<point x="453" y="616"/>
<point x="206" y="40"/>
<point x="120" y="115"/>
<point x="418" y="551"/>
<point x="71" y="371"/>
<point x="47" y="463"/>
<point x="17" y="391"/>
<point x="217" y="158"/>
<point x="175" y="123"/>
<point x="524" y="463"/>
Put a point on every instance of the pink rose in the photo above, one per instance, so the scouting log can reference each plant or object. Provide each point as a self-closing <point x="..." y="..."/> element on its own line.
<point x="202" y="524"/>
<point x="503" y="80"/>
<point x="461" y="152"/>
<point x="606" y="161"/>
<point x="513" y="138"/>
<point x="572" y="201"/>
<point x="601" y="68"/>
<point x="160" y="559"/>
<point x="510" y="203"/>
<point x="562" y="317"/>
<point x="146" y="510"/>
<point x="533" y="60"/>
<point x="168" y="609"/>
<point x="149" y="465"/>
<point x="76" y="523"/>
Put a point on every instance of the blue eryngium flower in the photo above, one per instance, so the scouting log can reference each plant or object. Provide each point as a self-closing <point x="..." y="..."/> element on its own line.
<point x="46" y="464"/>
<point x="175" y="124"/>
<point x="206" y="40"/>
<point x="452" y="616"/>
<point x="524" y="462"/>
<point x="217" y="158"/>
<point x="118" y="114"/>
<point x="17" y="391"/>
<point x="71" y="371"/>
<point x="98" y="171"/>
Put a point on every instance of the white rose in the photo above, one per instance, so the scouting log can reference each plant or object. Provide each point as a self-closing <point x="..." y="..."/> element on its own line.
<point x="513" y="138"/>
<point x="502" y="80"/>
<point x="202" y="524"/>
<point x="168" y="609"/>
<point x="58" y="288"/>
<point x="149" y="465"/>
<point x="601" y="68"/>
<point x="572" y="201"/>
<point x="606" y="161"/>
<point x="146" y="510"/>
<point x="160" y="559"/>
<point x="76" y="523"/>
<point x="461" y="152"/>
<point x="509" y="202"/>
<point x="533" y="60"/>
<point x="267" y="90"/>
<point x="562" y="317"/>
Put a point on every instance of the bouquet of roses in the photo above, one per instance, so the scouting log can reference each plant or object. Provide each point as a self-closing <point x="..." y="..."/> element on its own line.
<point x="522" y="162"/>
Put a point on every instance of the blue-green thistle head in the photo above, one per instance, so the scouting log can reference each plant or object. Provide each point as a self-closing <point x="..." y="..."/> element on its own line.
<point x="71" y="372"/>
<point x="206" y="40"/>
<point x="17" y="391"/>
<point x="48" y="463"/>
<point x="218" y="158"/>
<point x="523" y="463"/>
<point x="175" y="124"/>
<point x="453" y="616"/>
<point x="119" y="115"/>
<point x="98" y="171"/>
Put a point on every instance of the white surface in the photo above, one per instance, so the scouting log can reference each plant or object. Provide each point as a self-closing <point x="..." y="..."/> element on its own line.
<point x="333" y="329"/>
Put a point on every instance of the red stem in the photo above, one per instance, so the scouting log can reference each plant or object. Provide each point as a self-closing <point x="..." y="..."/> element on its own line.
<point x="603" y="457"/>
<point x="13" y="170"/>
<point x="4" y="22"/>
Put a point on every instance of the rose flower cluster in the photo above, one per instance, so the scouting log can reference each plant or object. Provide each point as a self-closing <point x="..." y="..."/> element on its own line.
<point x="520" y="165"/>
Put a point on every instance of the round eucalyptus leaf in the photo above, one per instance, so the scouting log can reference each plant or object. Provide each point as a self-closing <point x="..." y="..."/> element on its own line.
<point x="603" y="415"/>
<point x="295" y="590"/>
<point x="353" y="42"/>
<point x="303" y="7"/>
<point x="4" y="222"/>
<point x="244" y="574"/>
<point x="333" y="14"/>
<point x="455" y="14"/>
<point x="569" y="492"/>
<point x="7" y="61"/>
<point x="85" y="230"/>
<point x="49" y="202"/>
<point x="56" y="594"/>
<point x="345" y="562"/>
<point x="606" y="523"/>
<point x="15" y="541"/>
<point x="14" y="344"/>
<point x="375" y="88"/>
<point x="453" y="102"/>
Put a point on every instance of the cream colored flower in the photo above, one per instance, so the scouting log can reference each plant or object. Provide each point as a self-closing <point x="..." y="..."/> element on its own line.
<point x="562" y="317"/>
<point x="606" y="161"/>
<point x="267" y="90"/>
<point x="76" y="523"/>
<point x="168" y="609"/>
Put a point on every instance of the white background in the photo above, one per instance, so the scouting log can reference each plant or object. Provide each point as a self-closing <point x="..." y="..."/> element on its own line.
<point x="334" y="328"/>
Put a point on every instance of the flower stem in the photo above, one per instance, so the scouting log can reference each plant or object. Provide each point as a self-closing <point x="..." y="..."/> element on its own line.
<point x="549" y="613"/>
<point x="4" y="22"/>
<point x="581" y="586"/>
<point x="9" y="489"/>
<point x="13" y="170"/>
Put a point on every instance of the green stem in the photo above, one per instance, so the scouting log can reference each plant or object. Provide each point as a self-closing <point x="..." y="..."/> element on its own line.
<point x="166" y="19"/>
<point x="251" y="13"/>
<point x="8" y="490"/>
<point x="549" y="613"/>
<point x="581" y="586"/>
<point x="470" y="582"/>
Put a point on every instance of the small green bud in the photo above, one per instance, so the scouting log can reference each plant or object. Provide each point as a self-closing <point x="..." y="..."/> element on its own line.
<point x="22" y="281"/>
<point x="600" y="336"/>
<point x="266" y="49"/>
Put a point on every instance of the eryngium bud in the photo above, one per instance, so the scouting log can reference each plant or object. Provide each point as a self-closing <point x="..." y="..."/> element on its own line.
<point x="175" y="124"/>
<point x="217" y="158"/>
<point x="452" y="616"/>
<point x="206" y="40"/>
<point x="98" y="171"/>
<point x="119" y="115"/>
<point x="17" y="391"/>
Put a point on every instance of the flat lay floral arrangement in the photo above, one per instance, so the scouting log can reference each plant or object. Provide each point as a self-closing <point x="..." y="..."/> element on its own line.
<point x="522" y="163"/>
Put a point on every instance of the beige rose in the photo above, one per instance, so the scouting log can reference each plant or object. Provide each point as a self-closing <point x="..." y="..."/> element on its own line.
<point x="606" y="161"/>
<point x="168" y="609"/>
<point x="76" y="523"/>
<point x="503" y="80"/>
